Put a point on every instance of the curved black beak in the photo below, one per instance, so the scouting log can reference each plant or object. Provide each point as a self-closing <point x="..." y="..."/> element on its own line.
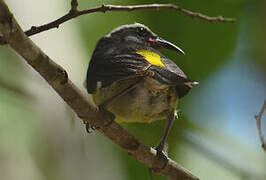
<point x="161" y="43"/>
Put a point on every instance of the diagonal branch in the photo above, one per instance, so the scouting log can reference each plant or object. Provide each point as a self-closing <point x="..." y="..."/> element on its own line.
<point x="57" y="77"/>
<point x="258" y="119"/>
<point x="74" y="12"/>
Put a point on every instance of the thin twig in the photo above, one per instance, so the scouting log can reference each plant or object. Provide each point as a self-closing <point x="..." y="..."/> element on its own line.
<point x="258" y="119"/>
<point x="105" y="8"/>
<point x="74" y="6"/>
<point x="57" y="77"/>
<point x="74" y="12"/>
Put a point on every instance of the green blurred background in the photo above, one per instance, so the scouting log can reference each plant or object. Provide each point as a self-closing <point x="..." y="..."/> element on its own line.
<point x="215" y="136"/>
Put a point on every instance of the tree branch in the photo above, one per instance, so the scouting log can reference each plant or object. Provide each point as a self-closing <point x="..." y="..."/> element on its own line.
<point x="57" y="77"/>
<point x="74" y="12"/>
<point x="258" y="119"/>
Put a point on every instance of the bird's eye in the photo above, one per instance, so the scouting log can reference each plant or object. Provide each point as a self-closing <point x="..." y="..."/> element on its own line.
<point x="141" y="31"/>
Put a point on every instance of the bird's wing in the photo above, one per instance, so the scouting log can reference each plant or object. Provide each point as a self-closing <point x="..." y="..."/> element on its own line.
<point x="165" y="76"/>
<point x="172" y="75"/>
<point x="171" y="66"/>
<point x="114" y="68"/>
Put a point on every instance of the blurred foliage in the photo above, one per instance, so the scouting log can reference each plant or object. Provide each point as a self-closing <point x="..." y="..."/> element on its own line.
<point x="207" y="47"/>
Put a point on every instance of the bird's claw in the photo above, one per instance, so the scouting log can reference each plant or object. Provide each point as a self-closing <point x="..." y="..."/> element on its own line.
<point x="89" y="128"/>
<point x="161" y="153"/>
<point x="162" y="150"/>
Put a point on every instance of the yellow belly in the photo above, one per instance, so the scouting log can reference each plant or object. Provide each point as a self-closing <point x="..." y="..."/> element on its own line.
<point x="146" y="102"/>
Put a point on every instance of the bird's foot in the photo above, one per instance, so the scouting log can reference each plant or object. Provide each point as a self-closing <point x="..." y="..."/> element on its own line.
<point x="161" y="153"/>
<point x="89" y="128"/>
<point x="107" y="114"/>
<point x="162" y="150"/>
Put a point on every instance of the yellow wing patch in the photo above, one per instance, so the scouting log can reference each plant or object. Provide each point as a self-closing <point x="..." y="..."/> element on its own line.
<point x="151" y="57"/>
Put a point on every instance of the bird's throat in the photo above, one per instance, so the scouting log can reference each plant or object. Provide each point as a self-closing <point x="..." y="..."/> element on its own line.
<point x="151" y="57"/>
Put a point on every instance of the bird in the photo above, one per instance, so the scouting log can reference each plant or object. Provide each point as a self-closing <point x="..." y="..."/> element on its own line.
<point x="130" y="78"/>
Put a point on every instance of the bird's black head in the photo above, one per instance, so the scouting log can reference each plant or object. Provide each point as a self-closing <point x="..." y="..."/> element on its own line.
<point x="138" y="35"/>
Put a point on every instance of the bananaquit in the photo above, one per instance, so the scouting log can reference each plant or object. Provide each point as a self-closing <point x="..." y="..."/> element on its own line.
<point x="130" y="78"/>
